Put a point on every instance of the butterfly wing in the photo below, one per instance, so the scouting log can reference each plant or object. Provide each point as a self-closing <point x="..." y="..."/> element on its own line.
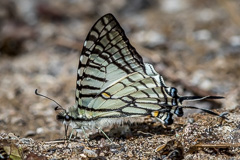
<point x="134" y="95"/>
<point x="106" y="57"/>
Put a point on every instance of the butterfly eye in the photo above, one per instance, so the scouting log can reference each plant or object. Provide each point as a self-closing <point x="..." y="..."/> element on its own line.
<point x="67" y="118"/>
<point x="173" y="92"/>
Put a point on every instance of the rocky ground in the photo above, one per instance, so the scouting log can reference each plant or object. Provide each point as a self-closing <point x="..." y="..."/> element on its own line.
<point x="194" y="44"/>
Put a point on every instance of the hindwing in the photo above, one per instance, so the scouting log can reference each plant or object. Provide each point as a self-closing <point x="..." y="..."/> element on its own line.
<point x="134" y="95"/>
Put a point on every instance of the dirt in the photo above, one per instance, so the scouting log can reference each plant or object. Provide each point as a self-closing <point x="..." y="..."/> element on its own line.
<point x="195" y="45"/>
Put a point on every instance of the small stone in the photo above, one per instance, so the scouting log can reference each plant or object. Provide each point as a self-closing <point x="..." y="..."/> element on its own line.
<point x="89" y="153"/>
<point x="83" y="156"/>
<point x="203" y="35"/>
<point x="12" y="136"/>
<point x="39" y="130"/>
<point x="130" y="154"/>
<point x="234" y="41"/>
<point x="26" y="140"/>
<point x="101" y="154"/>
<point x="17" y="121"/>
<point x="30" y="133"/>
<point x="150" y="39"/>
<point x="190" y="120"/>
<point x="173" y="6"/>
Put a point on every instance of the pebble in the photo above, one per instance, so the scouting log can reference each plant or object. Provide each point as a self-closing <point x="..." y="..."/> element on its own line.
<point x="150" y="39"/>
<point x="130" y="154"/>
<point x="191" y="120"/>
<point x="202" y="35"/>
<point x="12" y="136"/>
<point x="26" y="140"/>
<point x="89" y="153"/>
<point x="39" y="130"/>
<point x="234" y="41"/>
<point x="30" y="133"/>
<point x="173" y="6"/>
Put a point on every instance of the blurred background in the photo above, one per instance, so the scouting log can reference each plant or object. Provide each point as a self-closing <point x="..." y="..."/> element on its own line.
<point x="194" y="44"/>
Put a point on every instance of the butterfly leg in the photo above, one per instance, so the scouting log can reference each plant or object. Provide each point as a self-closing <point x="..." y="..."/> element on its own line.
<point x="77" y="135"/>
<point x="66" y="130"/>
<point x="105" y="135"/>
<point x="84" y="133"/>
<point x="70" y="136"/>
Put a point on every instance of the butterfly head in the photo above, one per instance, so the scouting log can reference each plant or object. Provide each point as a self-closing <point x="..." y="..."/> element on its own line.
<point x="66" y="116"/>
<point x="63" y="115"/>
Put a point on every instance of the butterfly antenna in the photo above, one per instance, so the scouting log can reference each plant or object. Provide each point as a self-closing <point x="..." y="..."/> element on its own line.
<point x="58" y="107"/>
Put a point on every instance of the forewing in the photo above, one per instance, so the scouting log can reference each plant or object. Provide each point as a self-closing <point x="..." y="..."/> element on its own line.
<point x="106" y="57"/>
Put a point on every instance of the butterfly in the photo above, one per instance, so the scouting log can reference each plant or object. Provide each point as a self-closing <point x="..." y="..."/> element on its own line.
<point x="114" y="86"/>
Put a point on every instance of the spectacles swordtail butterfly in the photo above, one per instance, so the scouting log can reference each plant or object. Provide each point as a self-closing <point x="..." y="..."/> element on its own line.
<point x="114" y="85"/>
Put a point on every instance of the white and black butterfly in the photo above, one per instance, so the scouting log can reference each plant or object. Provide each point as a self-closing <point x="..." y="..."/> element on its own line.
<point x="114" y="86"/>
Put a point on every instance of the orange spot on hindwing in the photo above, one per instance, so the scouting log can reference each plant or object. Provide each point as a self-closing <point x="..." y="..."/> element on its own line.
<point x="155" y="113"/>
